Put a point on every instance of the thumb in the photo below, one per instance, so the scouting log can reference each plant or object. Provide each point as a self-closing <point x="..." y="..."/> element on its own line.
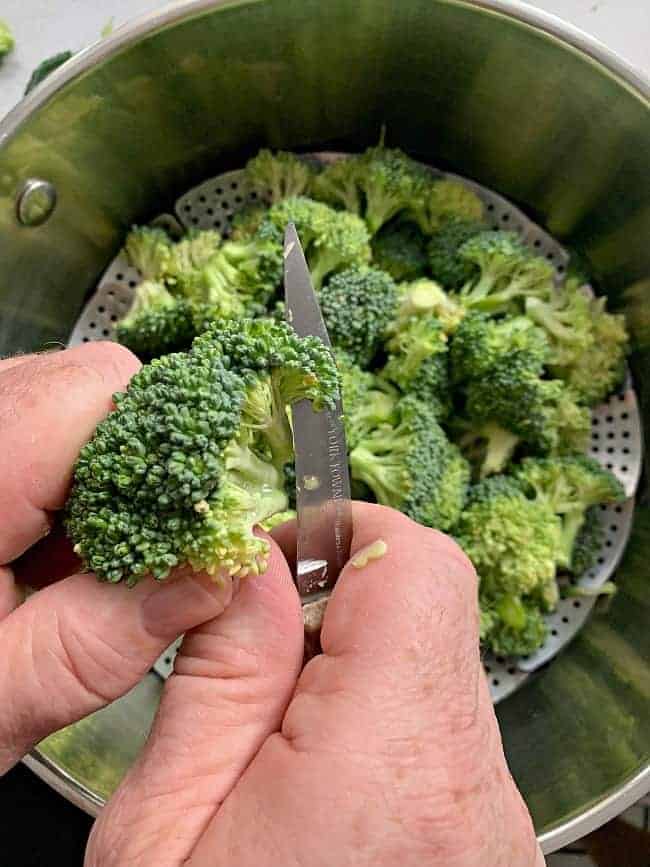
<point x="232" y="681"/>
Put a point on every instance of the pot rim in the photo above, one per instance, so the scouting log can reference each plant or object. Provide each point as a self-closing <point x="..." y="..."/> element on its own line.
<point x="634" y="79"/>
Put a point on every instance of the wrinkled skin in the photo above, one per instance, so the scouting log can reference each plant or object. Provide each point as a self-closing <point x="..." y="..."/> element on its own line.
<point x="384" y="750"/>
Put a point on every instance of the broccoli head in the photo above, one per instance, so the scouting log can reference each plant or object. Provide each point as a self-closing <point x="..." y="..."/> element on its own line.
<point x="507" y="273"/>
<point x="511" y="540"/>
<point x="588" y="343"/>
<point x="149" y="250"/>
<point x="588" y="543"/>
<point x="417" y="362"/>
<point x="445" y="265"/>
<point x="389" y="182"/>
<point x="438" y="200"/>
<point x="331" y="240"/>
<point x="413" y="467"/>
<point x="479" y="343"/>
<point x="357" y="305"/>
<point x="158" y="329"/>
<point x="6" y="40"/>
<point x="279" y="175"/>
<point x="191" y="253"/>
<point x="367" y="401"/>
<point x="337" y="186"/>
<point x="399" y="249"/>
<point x="426" y="298"/>
<point x="246" y="222"/>
<point x="192" y="458"/>
<point x="511" y="626"/>
<point x="542" y="413"/>
<point x="569" y="486"/>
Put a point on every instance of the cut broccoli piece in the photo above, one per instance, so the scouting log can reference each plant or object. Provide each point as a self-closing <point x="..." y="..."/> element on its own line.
<point x="279" y="175"/>
<point x="247" y="221"/>
<point x="367" y="401"/>
<point x="192" y="252"/>
<point x="417" y="362"/>
<point x="149" y="250"/>
<point x="588" y="343"/>
<point x="357" y="305"/>
<point x="511" y="626"/>
<point x="438" y="200"/>
<point x="569" y="486"/>
<point x="425" y="298"/>
<point x="588" y="543"/>
<point x="508" y="273"/>
<point x="488" y="447"/>
<point x="331" y="240"/>
<point x="511" y="540"/>
<point x="480" y="343"/>
<point x="445" y="264"/>
<point x="543" y="413"/>
<point x="6" y="40"/>
<point x="399" y="249"/>
<point x="336" y="185"/>
<point x="413" y="467"/>
<point x="192" y="457"/>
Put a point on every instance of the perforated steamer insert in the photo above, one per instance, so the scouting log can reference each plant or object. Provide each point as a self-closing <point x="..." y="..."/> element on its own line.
<point x="616" y="427"/>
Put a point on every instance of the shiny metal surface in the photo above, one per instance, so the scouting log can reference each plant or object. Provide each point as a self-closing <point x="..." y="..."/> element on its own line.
<point x="35" y="202"/>
<point x="492" y="90"/>
<point x="322" y="475"/>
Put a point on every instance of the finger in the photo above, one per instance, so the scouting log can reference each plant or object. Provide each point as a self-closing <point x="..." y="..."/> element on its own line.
<point x="10" y="596"/>
<point x="49" y="407"/>
<point x="6" y="363"/>
<point x="233" y="679"/>
<point x="79" y="644"/>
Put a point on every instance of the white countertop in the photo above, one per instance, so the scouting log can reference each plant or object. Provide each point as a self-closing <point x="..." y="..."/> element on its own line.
<point x="40" y="30"/>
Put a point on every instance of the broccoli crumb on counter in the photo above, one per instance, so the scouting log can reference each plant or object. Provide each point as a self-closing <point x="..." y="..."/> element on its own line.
<point x="375" y="551"/>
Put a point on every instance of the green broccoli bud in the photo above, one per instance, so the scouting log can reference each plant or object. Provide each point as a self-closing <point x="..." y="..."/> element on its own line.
<point x="6" y="40"/>
<point x="569" y="486"/>
<point x="440" y="200"/>
<point x="357" y="305"/>
<point x="157" y="330"/>
<point x="588" y="543"/>
<point x="511" y="626"/>
<point x="192" y="457"/>
<point x="417" y="362"/>
<point x="508" y="273"/>
<point x="445" y="264"/>
<point x="399" y="249"/>
<point x="149" y="250"/>
<point x="511" y="540"/>
<point x="412" y="467"/>
<point x="278" y="176"/>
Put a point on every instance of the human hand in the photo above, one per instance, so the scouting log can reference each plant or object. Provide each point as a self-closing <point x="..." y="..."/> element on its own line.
<point x="386" y="753"/>
<point x="77" y="644"/>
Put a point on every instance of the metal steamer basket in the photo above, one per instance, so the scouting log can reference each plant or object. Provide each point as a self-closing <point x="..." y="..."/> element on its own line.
<point x="509" y="100"/>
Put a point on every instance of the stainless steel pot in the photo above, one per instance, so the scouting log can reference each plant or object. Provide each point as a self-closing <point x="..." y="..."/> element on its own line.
<point x="512" y="98"/>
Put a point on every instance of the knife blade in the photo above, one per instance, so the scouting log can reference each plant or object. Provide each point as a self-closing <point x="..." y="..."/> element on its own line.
<point x="323" y="502"/>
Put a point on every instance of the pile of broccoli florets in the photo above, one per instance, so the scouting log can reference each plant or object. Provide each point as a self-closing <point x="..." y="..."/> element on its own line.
<point x="467" y="374"/>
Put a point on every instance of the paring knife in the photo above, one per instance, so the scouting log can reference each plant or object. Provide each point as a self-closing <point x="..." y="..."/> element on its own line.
<point x="322" y="478"/>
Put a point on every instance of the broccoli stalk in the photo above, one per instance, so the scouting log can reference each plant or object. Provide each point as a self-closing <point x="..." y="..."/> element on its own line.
<point x="488" y="447"/>
<point x="511" y="626"/>
<point x="426" y="298"/>
<point x="192" y="457"/>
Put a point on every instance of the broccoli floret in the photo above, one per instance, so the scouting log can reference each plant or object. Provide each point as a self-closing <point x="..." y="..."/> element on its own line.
<point x="192" y="458"/>
<point x="367" y="401"/>
<point x="488" y="447"/>
<point x="438" y="200"/>
<point x="357" y="305"/>
<point x="337" y="185"/>
<point x="511" y="626"/>
<point x="588" y="343"/>
<point x="543" y="413"/>
<point x="588" y="543"/>
<point x="511" y="540"/>
<point x="507" y="273"/>
<point x="569" y="486"/>
<point x="331" y="240"/>
<point x="149" y="250"/>
<point x="193" y="252"/>
<point x="399" y="249"/>
<point x="480" y="342"/>
<point x="417" y="362"/>
<point x="247" y="221"/>
<point x="279" y="175"/>
<point x="6" y="40"/>
<point x="426" y="298"/>
<point x="389" y="182"/>
<point x="445" y="265"/>
<point x="46" y="68"/>
<point x="412" y="467"/>
<point x="158" y="330"/>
